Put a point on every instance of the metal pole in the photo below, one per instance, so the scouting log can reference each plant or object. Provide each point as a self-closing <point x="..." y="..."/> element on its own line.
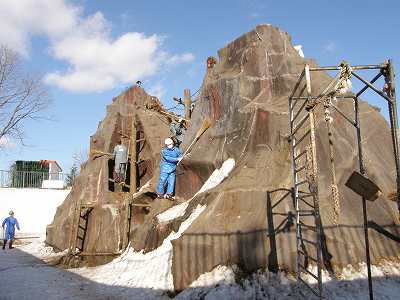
<point x="188" y="103"/>
<point x="364" y="201"/>
<point x="272" y="257"/>
<point x="315" y="197"/>
<point x="390" y="78"/>
<point x="336" y="68"/>
<point x="296" y="188"/>
<point x="380" y="93"/>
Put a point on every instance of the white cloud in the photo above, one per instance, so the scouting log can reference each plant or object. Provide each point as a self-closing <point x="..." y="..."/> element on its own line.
<point x="330" y="47"/>
<point x="96" y="60"/>
<point x="23" y="18"/>
<point x="157" y="90"/>
<point x="178" y="59"/>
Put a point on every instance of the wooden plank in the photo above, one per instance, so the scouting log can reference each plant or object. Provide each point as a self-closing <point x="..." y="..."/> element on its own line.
<point x="187" y="100"/>
<point x="363" y="186"/>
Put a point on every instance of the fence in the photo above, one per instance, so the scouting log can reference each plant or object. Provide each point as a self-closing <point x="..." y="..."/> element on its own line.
<point x="31" y="179"/>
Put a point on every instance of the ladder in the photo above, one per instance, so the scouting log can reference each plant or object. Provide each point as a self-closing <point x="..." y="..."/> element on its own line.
<point x="304" y="168"/>
<point x="79" y="228"/>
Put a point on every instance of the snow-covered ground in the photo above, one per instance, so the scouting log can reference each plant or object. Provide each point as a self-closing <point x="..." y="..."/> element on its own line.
<point x="34" y="208"/>
<point x="24" y="275"/>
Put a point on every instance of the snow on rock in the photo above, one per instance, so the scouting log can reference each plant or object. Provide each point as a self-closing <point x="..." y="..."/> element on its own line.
<point x="136" y="269"/>
<point x="218" y="175"/>
<point x="214" y="180"/>
<point x="173" y="212"/>
<point x="299" y="49"/>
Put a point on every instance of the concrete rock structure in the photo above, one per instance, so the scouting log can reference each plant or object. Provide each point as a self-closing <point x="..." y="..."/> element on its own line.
<point x="245" y="95"/>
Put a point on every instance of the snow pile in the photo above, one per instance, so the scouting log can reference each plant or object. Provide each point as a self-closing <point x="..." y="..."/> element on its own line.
<point x="34" y="208"/>
<point x="227" y="283"/>
<point x="219" y="275"/>
<point x="214" y="180"/>
<point x="39" y="249"/>
<point x="136" y="269"/>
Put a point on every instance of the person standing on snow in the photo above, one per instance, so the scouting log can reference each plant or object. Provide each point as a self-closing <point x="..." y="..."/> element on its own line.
<point x="10" y="222"/>
<point x="170" y="156"/>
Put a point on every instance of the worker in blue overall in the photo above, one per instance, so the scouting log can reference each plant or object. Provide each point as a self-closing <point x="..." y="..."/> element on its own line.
<point x="10" y="224"/>
<point x="170" y="156"/>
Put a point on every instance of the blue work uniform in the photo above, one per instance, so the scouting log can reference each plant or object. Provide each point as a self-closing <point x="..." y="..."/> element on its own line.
<point x="169" y="160"/>
<point x="10" y="223"/>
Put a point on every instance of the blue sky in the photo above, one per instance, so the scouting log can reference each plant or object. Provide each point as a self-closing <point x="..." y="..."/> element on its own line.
<point x="90" y="51"/>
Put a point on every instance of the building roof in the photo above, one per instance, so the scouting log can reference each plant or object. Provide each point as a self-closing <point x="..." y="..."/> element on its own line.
<point x="47" y="162"/>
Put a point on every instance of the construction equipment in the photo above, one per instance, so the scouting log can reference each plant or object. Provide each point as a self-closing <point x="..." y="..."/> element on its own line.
<point x="206" y="124"/>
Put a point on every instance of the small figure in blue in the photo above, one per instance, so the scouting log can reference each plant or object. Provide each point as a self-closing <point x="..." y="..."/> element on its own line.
<point x="10" y="223"/>
<point x="170" y="156"/>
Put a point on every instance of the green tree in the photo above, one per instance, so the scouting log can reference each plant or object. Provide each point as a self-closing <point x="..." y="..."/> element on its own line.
<point x="72" y="175"/>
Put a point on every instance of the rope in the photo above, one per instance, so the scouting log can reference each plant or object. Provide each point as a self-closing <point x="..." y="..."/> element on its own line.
<point x="344" y="83"/>
<point x="309" y="168"/>
<point x="334" y="187"/>
<point x="341" y="84"/>
<point x="196" y="91"/>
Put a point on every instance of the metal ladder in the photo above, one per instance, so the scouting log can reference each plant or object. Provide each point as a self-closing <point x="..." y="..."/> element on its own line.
<point x="304" y="167"/>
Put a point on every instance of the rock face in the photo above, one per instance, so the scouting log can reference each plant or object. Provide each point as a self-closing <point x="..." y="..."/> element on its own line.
<point x="92" y="186"/>
<point x="245" y="96"/>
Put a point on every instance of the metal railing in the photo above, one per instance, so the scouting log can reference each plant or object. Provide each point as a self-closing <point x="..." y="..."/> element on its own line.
<point x="29" y="179"/>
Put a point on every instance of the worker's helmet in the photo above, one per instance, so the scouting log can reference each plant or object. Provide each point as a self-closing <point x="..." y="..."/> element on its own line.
<point x="180" y="120"/>
<point x="11" y="213"/>
<point x="168" y="142"/>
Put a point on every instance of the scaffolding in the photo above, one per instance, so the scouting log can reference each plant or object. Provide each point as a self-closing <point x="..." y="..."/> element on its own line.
<point x="302" y="120"/>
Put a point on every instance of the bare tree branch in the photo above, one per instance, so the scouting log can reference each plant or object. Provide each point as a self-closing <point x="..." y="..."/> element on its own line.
<point x="22" y="97"/>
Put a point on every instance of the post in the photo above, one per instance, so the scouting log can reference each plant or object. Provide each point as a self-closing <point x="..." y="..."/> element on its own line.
<point x="390" y="80"/>
<point x="314" y="184"/>
<point x="273" y="256"/>
<point x="133" y="152"/>
<point x="188" y="103"/>
<point x="364" y="201"/>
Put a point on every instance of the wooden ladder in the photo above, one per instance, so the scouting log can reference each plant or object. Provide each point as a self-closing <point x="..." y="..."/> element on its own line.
<point x="79" y="228"/>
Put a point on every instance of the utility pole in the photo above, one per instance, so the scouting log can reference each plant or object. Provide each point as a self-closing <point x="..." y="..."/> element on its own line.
<point x="188" y="103"/>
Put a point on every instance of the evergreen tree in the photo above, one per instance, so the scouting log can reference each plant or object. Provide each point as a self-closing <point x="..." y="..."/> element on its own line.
<point x="72" y="174"/>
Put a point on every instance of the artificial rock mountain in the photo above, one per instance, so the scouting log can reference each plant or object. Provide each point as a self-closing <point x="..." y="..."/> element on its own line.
<point x="245" y="95"/>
